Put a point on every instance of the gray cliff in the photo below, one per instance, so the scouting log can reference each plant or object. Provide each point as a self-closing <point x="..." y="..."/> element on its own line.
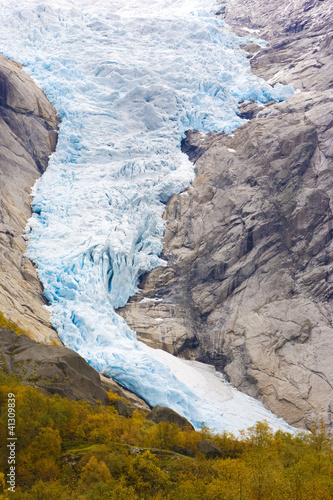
<point x="28" y="135"/>
<point x="249" y="246"/>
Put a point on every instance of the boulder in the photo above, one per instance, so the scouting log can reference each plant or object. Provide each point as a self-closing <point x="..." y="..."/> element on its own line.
<point x="123" y="408"/>
<point x="209" y="449"/>
<point x="183" y="451"/>
<point x="164" y="414"/>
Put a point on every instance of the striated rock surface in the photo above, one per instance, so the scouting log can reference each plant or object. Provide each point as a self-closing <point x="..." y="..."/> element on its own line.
<point x="28" y="135"/>
<point x="299" y="36"/>
<point x="249" y="283"/>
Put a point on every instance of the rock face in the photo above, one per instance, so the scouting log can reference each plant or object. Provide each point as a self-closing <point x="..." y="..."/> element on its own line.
<point x="249" y="283"/>
<point x="52" y="369"/>
<point x="28" y="135"/>
<point x="300" y="40"/>
<point x="132" y="400"/>
<point x="58" y="370"/>
<point x="164" y="414"/>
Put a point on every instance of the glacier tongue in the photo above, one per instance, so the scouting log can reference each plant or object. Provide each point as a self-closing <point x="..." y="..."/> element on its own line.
<point x="127" y="81"/>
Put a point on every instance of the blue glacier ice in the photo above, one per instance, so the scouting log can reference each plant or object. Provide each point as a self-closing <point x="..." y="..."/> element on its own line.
<point x="127" y="79"/>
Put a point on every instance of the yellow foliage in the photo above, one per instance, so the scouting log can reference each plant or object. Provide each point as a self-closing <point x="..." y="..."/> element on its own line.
<point x="5" y="323"/>
<point x="190" y="439"/>
<point x="94" y="472"/>
<point x="164" y="435"/>
<point x="2" y="481"/>
<point x="113" y="397"/>
<point x="73" y="450"/>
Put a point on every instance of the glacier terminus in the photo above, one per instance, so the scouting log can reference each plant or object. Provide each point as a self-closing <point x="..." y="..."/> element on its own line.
<point x="127" y="80"/>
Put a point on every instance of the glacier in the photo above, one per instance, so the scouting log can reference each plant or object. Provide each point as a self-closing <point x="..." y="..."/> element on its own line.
<point x="127" y="81"/>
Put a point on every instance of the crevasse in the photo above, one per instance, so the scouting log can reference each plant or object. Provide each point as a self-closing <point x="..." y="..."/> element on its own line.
<point x="127" y="82"/>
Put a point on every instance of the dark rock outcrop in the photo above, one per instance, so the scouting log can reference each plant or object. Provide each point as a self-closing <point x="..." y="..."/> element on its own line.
<point x="187" y="452"/>
<point x="52" y="369"/>
<point x="209" y="449"/>
<point x="164" y="414"/>
<point x="28" y="135"/>
<point x="123" y="408"/>
<point x="59" y="370"/>
<point x="249" y="282"/>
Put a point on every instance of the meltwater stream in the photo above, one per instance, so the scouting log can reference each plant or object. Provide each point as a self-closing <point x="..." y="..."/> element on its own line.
<point x="127" y="79"/>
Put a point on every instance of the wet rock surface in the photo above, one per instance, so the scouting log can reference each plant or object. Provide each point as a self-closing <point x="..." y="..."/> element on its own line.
<point x="249" y="284"/>
<point x="28" y="135"/>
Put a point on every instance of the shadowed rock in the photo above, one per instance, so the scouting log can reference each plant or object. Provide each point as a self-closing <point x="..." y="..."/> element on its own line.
<point x="164" y="414"/>
<point x="52" y="369"/>
<point x="187" y="452"/>
<point x="59" y="370"/>
<point x="209" y="449"/>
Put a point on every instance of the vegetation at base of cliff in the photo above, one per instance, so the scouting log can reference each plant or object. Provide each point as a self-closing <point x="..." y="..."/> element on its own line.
<point x="5" y="323"/>
<point x="72" y="450"/>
